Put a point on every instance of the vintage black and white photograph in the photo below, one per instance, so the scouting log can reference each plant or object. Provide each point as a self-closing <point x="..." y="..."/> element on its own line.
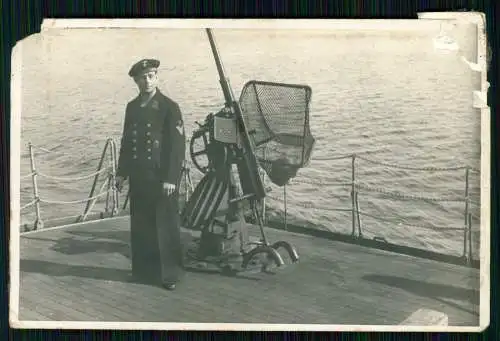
<point x="251" y="174"/>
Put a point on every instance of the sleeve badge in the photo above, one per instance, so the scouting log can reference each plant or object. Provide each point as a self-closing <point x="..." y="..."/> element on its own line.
<point x="180" y="127"/>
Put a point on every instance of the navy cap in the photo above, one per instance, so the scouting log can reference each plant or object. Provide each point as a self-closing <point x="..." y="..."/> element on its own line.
<point x="143" y="66"/>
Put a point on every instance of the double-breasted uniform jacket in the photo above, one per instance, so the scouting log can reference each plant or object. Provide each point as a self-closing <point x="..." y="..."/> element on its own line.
<point x="153" y="141"/>
<point x="151" y="153"/>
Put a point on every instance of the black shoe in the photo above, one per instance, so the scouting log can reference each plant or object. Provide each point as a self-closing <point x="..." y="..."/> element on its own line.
<point x="169" y="286"/>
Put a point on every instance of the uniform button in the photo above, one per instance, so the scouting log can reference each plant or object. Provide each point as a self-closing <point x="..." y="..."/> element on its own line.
<point x="149" y="157"/>
<point x="149" y="141"/>
<point x="134" y="140"/>
<point x="135" y="124"/>
<point x="134" y="132"/>
<point x="135" y="156"/>
<point x="149" y="124"/>
<point x="148" y="133"/>
<point x="149" y="149"/>
<point x="134" y="149"/>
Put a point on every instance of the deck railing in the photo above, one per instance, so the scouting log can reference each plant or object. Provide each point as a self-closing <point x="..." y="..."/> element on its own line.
<point x="355" y="187"/>
<point x="112" y="196"/>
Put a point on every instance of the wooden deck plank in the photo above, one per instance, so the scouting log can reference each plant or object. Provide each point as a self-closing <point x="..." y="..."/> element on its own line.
<point x="426" y="317"/>
<point x="44" y="295"/>
<point x="82" y="273"/>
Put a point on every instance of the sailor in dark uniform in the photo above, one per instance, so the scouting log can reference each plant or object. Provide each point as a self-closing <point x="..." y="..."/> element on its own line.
<point x="151" y="155"/>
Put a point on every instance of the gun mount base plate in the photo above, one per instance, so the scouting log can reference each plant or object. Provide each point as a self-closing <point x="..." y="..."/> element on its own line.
<point x="256" y="258"/>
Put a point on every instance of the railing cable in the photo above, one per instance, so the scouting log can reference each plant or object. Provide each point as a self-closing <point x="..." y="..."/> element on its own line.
<point x="354" y="186"/>
<point x="60" y="178"/>
<point x="27" y="176"/>
<point x="428" y="169"/>
<point x="28" y="204"/>
<point x="408" y="196"/>
<point x="74" y="201"/>
<point x="331" y="209"/>
<point x="57" y="152"/>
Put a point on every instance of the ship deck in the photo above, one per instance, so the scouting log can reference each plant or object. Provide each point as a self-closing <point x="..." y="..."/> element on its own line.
<point x="81" y="273"/>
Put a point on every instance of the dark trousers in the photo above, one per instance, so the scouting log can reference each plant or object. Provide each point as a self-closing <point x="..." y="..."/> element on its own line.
<point x="155" y="238"/>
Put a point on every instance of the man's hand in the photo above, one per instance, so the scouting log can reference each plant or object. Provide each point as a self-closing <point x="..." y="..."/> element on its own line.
<point x="168" y="188"/>
<point x="119" y="180"/>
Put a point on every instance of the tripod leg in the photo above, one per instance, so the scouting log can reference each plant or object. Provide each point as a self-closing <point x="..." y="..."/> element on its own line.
<point x="260" y="221"/>
<point x="271" y="253"/>
<point x="292" y="252"/>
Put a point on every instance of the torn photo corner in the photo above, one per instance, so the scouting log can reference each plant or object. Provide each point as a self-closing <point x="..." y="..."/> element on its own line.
<point x="336" y="175"/>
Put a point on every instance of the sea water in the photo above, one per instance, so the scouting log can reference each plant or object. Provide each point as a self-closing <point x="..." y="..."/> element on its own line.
<point x="388" y="96"/>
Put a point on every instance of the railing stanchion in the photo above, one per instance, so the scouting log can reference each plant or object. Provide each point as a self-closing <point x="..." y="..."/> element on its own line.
<point x="117" y="194"/>
<point x="353" y="191"/>
<point x="263" y="201"/>
<point x="126" y="200"/>
<point x="188" y="186"/>
<point x="470" y="238"/>
<point x="38" y="222"/>
<point x="92" y="202"/>
<point x="108" y="180"/>
<point x="285" y="207"/>
<point x="186" y="193"/>
<point x="262" y="171"/>
<point x="190" y="180"/>
<point x="466" y="212"/>
<point x="360" y="233"/>
<point x="99" y="167"/>
<point x="113" y="178"/>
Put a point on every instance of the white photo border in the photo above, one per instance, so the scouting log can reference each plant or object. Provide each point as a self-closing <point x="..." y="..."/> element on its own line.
<point x="289" y="24"/>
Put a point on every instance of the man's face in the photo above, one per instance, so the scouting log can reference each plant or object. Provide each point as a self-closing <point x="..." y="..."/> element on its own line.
<point x="147" y="81"/>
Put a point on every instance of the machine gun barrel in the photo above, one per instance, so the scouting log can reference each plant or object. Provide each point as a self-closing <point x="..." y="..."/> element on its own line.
<point x="224" y="81"/>
<point x="252" y="166"/>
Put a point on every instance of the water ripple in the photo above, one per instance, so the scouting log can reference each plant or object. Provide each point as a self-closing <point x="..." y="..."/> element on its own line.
<point x="407" y="107"/>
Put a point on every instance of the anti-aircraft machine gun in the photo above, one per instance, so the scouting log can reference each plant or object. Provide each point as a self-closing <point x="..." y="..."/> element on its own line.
<point x="268" y="128"/>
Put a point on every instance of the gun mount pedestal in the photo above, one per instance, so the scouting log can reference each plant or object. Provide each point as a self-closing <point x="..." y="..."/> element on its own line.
<point x="267" y="127"/>
<point x="217" y="206"/>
